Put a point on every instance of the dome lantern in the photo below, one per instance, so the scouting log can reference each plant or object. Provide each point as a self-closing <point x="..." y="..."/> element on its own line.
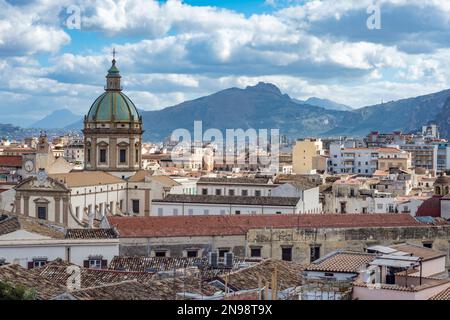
<point x="113" y="76"/>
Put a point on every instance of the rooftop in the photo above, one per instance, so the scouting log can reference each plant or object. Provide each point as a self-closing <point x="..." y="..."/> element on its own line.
<point x="17" y="276"/>
<point x="166" y="289"/>
<point x="11" y="161"/>
<point x="91" y="234"/>
<point x="342" y="261"/>
<point x="56" y="272"/>
<point x="10" y="223"/>
<point x="234" y="180"/>
<point x="86" y="178"/>
<point x="178" y="226"/>
<point x="212" y="199"/>
<point x="288" y="275"/>
<point x="418" y="251"/>
<point x="443" y="295"/>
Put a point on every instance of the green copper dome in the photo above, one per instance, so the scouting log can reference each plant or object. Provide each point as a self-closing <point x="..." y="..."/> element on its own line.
<point x="113" y="106"/>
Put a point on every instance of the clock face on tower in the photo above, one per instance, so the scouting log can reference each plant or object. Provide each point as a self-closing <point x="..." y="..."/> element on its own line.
<point x="29" y="166"/>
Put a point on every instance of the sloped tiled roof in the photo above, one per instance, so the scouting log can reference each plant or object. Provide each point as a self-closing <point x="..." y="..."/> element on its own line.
<point x="166" y="289"/>
<point x="12" y="222"/>
<point x="234" y="180"/>
<point x="10" y="161"/>
<point x="143" y="264"/>
<point x="91" y="234"/>
<point x="288" y="275"/>
<point x="86" y="178"/>
<point x="213" y="199"/>
<point x="176" y="226"/>
<point x="17" y="276"/>
<point x="418" y="251"/>
<point x="56" y="272"/>
<point x="443" y="295"/>
<point x="342" y="261"/>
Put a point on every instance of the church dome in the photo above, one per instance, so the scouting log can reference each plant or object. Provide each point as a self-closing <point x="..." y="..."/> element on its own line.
<point x="113" y="105"/>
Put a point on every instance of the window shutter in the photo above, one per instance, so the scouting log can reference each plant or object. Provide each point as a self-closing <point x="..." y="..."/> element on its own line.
<point x="86" y="263"/>
<point x="30" y="265"/>
<point x="104" y="264"/>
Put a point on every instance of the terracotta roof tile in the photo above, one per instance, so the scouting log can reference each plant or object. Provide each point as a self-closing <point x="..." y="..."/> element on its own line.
<point x="288" y="275"/>
<point x="56" y="272"/>
<point x="185" y="198"/>
<point x="234" y="180"/>
<point x="178" y="226"/>
<point x="342" y="261"/>
<point x="86" y="178"/>
<point x="418" y="251"/>
<point x="16" y="275"/>
<point x="11" y="161"/>
<point x="91" y="234"/>
<point x="443" y="295"/>
<point x="12" y="222"/>
<point x="166" y="289"/>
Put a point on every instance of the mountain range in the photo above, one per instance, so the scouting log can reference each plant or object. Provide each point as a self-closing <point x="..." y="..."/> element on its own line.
<point x="57" y="119"/>
<point x="264" y="106"/>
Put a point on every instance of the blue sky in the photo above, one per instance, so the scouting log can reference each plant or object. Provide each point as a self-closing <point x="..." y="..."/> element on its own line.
<point x="172" y="51"/>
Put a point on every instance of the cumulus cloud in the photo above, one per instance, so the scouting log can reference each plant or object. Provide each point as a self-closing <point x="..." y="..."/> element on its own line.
<point x="171" y="51"/>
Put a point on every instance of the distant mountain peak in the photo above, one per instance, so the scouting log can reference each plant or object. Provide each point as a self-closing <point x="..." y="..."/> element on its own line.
<point x="265" y="86"/>
<point x="57" y="119"/>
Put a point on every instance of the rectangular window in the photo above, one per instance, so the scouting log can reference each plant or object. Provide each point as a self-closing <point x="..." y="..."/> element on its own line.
<point x="95" y="264"/>
<point x="286" y="254"/>
<point x="123" y="155"/>
<point x="89" y="155"/>
<point x="161" y="253"/>
<point x="218" y="192"/>
<point x="102" y="155"/>
<point x="135" y="204"/>
<point x="257" y="193"/>
<point x="121" y="204"/>
<point x="428" y="245"/>
<point x="237" y="212"/>
<point x="231" y="192"/>
<point x="244" y="193"/>
<point x="42" y="213"/>
<point x="192" y="253"/>
<point x="137" y="157"/>
<point x="222" y="252"/>
<point x="255" y="252"/>
<point x="204" y="191"/>
<point x="314" y="253"/>
<point x="39" y="263"/>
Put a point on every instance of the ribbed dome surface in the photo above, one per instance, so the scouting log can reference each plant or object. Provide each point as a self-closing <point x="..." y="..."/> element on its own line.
<point x="113" y="106"/>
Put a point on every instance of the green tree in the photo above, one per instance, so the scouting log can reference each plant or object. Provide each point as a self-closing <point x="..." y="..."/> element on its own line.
<point x="10" y="292"/>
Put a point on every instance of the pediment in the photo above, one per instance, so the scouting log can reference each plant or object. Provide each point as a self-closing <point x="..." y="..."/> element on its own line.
<point x="49" y="184"/>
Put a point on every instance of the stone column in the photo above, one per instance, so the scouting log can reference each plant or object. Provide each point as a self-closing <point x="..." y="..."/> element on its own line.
<point x="26" y="205"/>
<point x="58" y="209"/>
<point x="147" y="203"/>
<point x="131" y="148"/>
<point x="94" y="153"/>
<point x="17" y="202"/>
<point x="65" y="211"/>
<point x="113" y="153"/>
